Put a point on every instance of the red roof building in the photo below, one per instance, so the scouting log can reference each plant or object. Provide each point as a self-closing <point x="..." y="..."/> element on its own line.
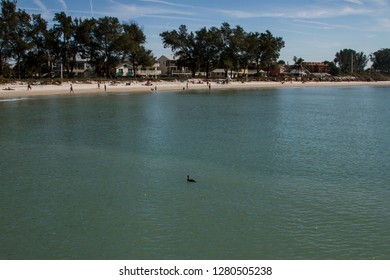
<point x="316" y="67"/>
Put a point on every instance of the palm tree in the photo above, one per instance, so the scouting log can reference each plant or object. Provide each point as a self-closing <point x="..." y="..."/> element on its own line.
<point x="298" y="64"/>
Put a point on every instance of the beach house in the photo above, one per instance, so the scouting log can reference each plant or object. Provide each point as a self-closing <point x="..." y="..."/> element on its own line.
<point x="126" y="70"/>
<point x="153" y="71"/>
<point x="80" y="67"/>
<point x="316" y="67"/>
<point x="221" y="73"/>
<point x="279" y="69"/>
<point x="169" y="67"/>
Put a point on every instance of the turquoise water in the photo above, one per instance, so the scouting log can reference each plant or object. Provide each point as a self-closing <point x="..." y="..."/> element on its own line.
<point x="281" y="174"/>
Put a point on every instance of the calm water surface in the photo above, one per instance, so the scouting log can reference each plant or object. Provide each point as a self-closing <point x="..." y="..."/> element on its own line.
<point x="282" y="174"/>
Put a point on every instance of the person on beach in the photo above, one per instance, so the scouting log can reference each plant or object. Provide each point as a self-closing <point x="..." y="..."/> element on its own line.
<point x="28" y="86"/>
<point x="71" y="89"/>
<point x="105" y="88"/>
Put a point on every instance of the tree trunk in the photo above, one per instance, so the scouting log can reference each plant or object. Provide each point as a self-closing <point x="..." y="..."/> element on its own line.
<point x="1" y="65"/>
<point x="134" y="68"/>
<point x="18" y="61"/>
<point x="193" y="70"/>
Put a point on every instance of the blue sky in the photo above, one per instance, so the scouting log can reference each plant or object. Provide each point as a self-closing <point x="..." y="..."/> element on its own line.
<point x="314" y="30"/>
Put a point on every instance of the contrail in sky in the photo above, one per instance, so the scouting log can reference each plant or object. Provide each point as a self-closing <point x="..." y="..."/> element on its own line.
<point x="91" y="5"/>
<point x="63" y="4"/>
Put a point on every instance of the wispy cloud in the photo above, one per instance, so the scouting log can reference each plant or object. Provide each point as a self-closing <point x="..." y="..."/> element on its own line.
<point x="312" y="12"/>
<point x="91" y="6"/>
<point x="321" y="25"/>
<point x="381" y="2"/>
<point x="45" y="12"/>
<point x="63" y="4"/>
<point x="134" y="11"/>
<point x="40" y="5"/>
<point x="383" y="25"/>
<point x="293" y="31"/>
<point x="167" y="3"/>
<point x="331" y="12"/>
<point x="357" y="2"/>
<point x="243" y="14"/>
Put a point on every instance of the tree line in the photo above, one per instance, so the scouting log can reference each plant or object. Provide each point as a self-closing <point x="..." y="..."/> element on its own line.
<point x="234" y="49"/>
<point x="225" y="47"/>
<point x="34" y="48"/>
<point x="349" y="61"/>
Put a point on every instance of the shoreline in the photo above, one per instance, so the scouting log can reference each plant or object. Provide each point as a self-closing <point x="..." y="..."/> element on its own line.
<point x="8" y="91"/>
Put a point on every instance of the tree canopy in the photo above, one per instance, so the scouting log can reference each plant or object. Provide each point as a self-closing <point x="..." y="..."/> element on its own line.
<point x="381" y="60"/>
<point x="351" y="61"/>
<point x="34" y="48"/>
<point x="225" y="47"/>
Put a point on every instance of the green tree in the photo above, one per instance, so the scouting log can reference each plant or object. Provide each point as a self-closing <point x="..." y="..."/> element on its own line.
<point x="237" y="49"/>
<point x="132" y="47"/>
<point x="142" y="57"/>
<point x="8" y="13"/>
<point x="234" y="48"/>
<point x="106" y="36"/>
<point x="66" y="47"/>
<point x="250" y="56"/>
<point x="229" y="57"/>
<point x="333" y="69"/>
<point x="381" y="60"/>
<point x="209" y="44"/>
<point x="99" y="41"/>
<point x="270" y="47"/>
<point x="241" y="49"/>
<point x="256" y="50"/>
<point x="350" y="61"/>
<point x="265" y="49"/>
<point x="298" y="63"/>
<point x="87" y="45"/>
<point x="360" y="62"/>
<point x="36" y="61"/>
<point x="20" y="37"/>
<point x="183" y="45"/>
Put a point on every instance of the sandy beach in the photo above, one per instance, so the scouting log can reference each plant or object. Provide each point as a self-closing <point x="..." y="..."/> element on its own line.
<point x="17" y="90"/>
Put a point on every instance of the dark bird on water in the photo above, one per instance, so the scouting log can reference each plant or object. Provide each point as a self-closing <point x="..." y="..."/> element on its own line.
<point x="190" y="180"/>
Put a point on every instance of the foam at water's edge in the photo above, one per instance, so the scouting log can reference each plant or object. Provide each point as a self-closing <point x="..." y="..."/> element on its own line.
<point x="12" y="99"/>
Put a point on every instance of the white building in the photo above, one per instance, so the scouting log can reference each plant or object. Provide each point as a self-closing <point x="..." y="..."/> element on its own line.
<point x="125" y="70"/>
<point x="82" y="65"/>
<point x="220" y="73"/>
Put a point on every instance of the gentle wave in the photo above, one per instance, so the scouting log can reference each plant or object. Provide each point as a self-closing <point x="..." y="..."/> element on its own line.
<point x="12" y="99"/>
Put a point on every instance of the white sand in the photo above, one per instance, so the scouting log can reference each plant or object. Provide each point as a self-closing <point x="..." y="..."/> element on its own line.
<point x="20" y="89"/>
